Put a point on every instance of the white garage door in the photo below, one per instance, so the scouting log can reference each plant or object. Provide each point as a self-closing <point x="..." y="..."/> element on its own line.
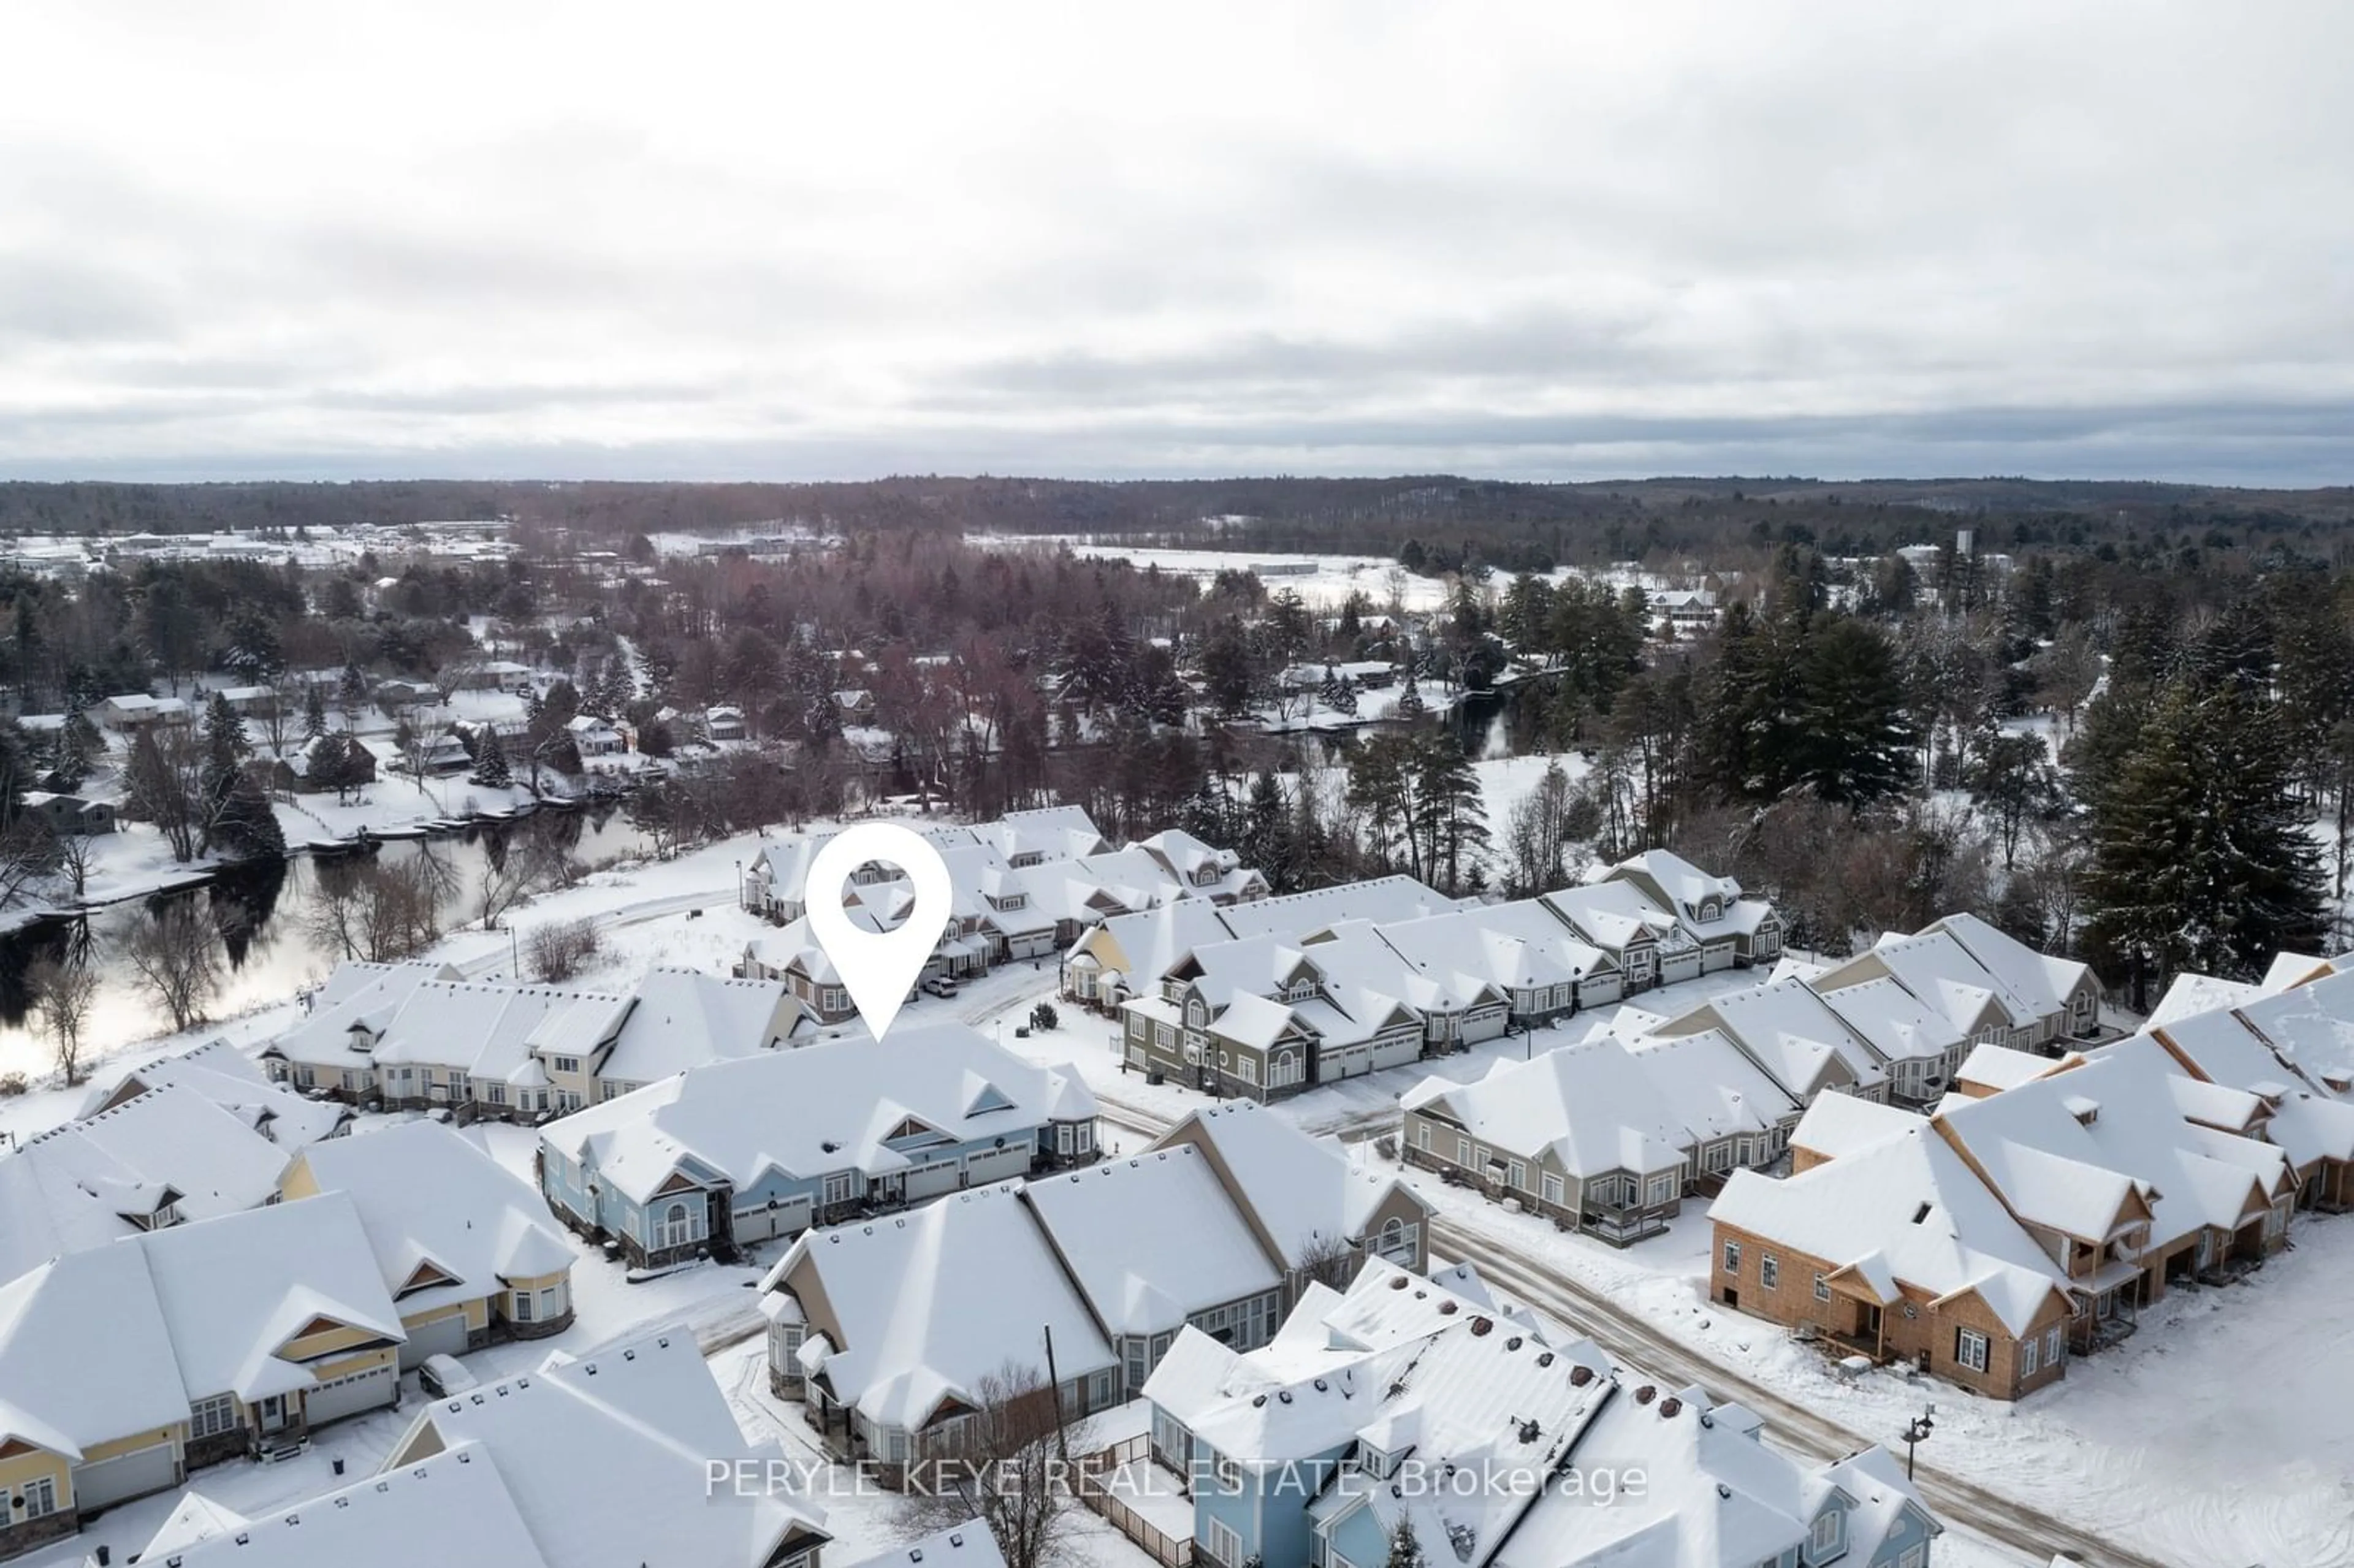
<point x="997" y="1164"/>
<point x="1484" y="1025"/>
<point x="360" y="1391"/>
<point x="764" y="1222"/>
<point x="931" y="1180"/>
<point x="136" y="1474"/>
<point x="1599" y="990"/>
<point x="442" y="1337"/>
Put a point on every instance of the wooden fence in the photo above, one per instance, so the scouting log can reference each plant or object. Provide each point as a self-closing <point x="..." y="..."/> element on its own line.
<point x="1097" y="1491"/>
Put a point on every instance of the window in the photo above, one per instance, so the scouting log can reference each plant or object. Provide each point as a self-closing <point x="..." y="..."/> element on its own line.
<point x="1769" y="1272"/>
<point x="1915" y="1556"/>
<point x="1732" y="1257"/>
<point x="211" y="1417"/>
<point x="1663" y="1188"/>
<point x="1825" y="1537"/>
<point x="1422" y="1135"/>
<point x="564" y="1064"/>
<point x="1163" y="1036"/>
<point x="547" y="1305"/>
<point x="2055" y="1347"/>
<point x="1971" y="1349"/>
<point x="1225" y="1548"/>
<point x="1397" y="1241"/>
<point x="1822" y="1287"/>
<point x="1719" y="1157"/>
<point x="523" y="1307"/>
<point x="837" y="1189"/>
<point x="1462" y="1152"/>
<point x="1247" y="1067"/>
<point x="1554" y="1191"/>
<point x="1516" y="1176"/>
<point x="2027" y="1348"/>
<point x="40" y="1498"/>
<point x="1194" y="1013"/>
<point x="677" y="1227"/>
<point x="830" y="1000"/>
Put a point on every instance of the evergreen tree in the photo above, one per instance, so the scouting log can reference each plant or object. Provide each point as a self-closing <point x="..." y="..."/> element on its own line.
<point x="1853" y="745"/>
<point x="76" y="741"/>
<point x="1228" y="676"/>
<point x="315" y="710"/>
<point x="490" y="771"/>
<point x="1409" y="702"/>
<point x="1267" y="841"/>
<point x="1454" y="822"/>
<point x="234" y="814"/>
<point x="2201" y="856"/>
<point x="1405" y="1552"/>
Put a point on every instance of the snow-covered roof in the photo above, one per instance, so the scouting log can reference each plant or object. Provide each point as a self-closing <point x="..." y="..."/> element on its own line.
<point x="1612" y="913"/>
<point x="2040" y="981"/>
<point x="925" y="1306"/>
<point x="430" y="1199"/>
<point x="235" y="1290"/>
<point x="95" y="1180"/>
<point x="1592" y="1104"/>
<point x="1837" y="1125"/>
<point x="1381" y="900"/>
<point x="2000" y="1067"/>
<point x="1151" y="1240"/>
<point x="1906" y="1210"/>
<point x="825" y="1107"/>
<point x="1889" y="1019"/>
<point x="2310" y="1026"/>
<point x="449" y="1507"/>
<point x="2191" y="994"/>
<point x="84" y="1355"/>
<point x="1793" y="1035"/>
<point x="1938" y="969"/>
<point x="195" y="1518"/>
<point x="2066" y="1150"/>
<point x="1517" y="947"/>
<point x="232" y="1080"/>
<point x="606" y="1458"/>
<point x="966" y="1545"/>
<point x="1300" y="1191"/>
<point x="1710" y="1087"/>
<point x="682" y="1019"/>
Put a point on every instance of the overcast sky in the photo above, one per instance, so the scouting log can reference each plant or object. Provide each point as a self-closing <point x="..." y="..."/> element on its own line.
<point x="1545" y="241"/>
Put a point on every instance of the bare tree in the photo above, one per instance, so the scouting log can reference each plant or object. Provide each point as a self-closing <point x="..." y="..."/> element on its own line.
<point x="559" y="951"/>
<point x="64" y="993"/>
<point x="28" y="854"/>
<point x="1003" y="1462"/>
<point x="454" y="676"/>
<point x="75" y="853"/>
<point x="1329" y="1260"/>
<point x="177" y="960"/>
<point x="526" y="869"/>
<point x="382" y="912"/>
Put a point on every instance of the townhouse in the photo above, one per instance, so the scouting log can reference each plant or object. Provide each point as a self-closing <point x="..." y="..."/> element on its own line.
<point x="1458" y="1008"/>
<point x="2033" y="1215"/>
<point x="1645" y="944"/>
<point x="1727" y="928"/>
<point x="465" y="1249"/>
<point x="1356" y="1425"/>
<point x="766" y="1146"/>
<point x="1259" y="1017"/>
<point x="1542" y="969"/>
<point x="1788" y="1031"/>
<point x="1597" y="1137"/>
<point x="599" y="1462"/>
<point x="892" y="1331"/>
<point x="233" y="1081"/>
<point x="419" y="1037"/>
<point x="156" y="1159"/>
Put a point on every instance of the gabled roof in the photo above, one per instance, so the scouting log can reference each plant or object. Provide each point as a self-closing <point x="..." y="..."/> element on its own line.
<point x="1891" y="1020"/>
<point x="1301" y="1192"/>
<point x="427" y="1195"/>
<point x="1593" y="1105"/>
<point x="1151" y="1240"/>
<point x="451" y="1507"/>
<point x="2040" y="981"/>
<point x="1938" y="969"/>
<point x="229" y="1078"/>
<point x="1792" y="1034"/>
<point x="1905" y="1210"/>
<point x="928" y="1305"/>
<point x="84" y="1355"/>
<point x="606" y="1459"/>
<point x="684" y="1018"/>
<point x="825" y="1107"/>
<point x="1382" y="898"/>
<point x="1612" y="913"/>
<point x="80" y="1185"/>
<point x="1837" y="1125"/>
<point x="235" y="1290"/>
<point x="2310" y="1026"/>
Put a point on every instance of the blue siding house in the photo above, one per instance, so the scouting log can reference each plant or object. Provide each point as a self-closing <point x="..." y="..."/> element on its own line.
<point x="722" y="1156"/>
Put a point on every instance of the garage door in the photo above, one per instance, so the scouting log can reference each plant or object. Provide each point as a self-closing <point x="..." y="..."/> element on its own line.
<point x="442" y="1336"/>
<point x="360" y="1391"/>
<point x="931" y="1180"/>
<point x="132" y="1475"/>
<point x="764" y="1222"/>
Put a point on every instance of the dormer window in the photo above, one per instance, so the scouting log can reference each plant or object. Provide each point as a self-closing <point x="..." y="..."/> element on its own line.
<point x="1193" y="1013"/>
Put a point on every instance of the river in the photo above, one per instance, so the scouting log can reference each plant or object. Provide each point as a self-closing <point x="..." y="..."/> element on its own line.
<point x="259" y="913"/>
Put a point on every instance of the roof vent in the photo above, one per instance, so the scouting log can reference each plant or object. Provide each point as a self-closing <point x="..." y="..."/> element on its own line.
<point x="1670" y="1407"/>
<point x="1446" y="1308"/>
<point x="1398" y="1283"/>
<point x="956" y="1541"/>
<point x="1722" y="1490"/>
<point x="1580" y="1375"/>
<point x="1513" y="1343"/>
<point x="915" y="1555"/>
<point x="1544" y="1358"/>
<point x="591" y="1369"/>
<point x="1531" y="1432"/>
<point x="1284" y="1395"/>
<point x="1647" y="1393"/>
<point x="1320" y="1385"/>
<point x="1481" y="1327"/>
<point x="662" y="1343"/>
<point x="1257" y="1400"/>
<point x="1921" y="1213"/>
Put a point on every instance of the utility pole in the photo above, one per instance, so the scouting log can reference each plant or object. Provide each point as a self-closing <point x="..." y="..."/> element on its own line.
<point x="1055" y="1387"/>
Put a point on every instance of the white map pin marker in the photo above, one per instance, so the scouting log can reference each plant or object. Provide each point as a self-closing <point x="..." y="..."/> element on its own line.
<point x="878" y="968"/>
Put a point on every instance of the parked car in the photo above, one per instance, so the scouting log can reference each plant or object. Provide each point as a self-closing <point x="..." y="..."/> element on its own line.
<point x="441" y="1376"/>
<point x="940" y="985"/>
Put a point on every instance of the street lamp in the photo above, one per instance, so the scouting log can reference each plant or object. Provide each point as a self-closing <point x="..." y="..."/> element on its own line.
<point x="1918" y="1432"/>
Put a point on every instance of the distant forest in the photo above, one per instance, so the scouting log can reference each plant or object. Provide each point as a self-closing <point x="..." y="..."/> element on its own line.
<point x="1449" y="521"/>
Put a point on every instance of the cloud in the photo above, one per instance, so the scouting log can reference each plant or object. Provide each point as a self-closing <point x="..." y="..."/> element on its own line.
<point x="1533" y="239"/>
